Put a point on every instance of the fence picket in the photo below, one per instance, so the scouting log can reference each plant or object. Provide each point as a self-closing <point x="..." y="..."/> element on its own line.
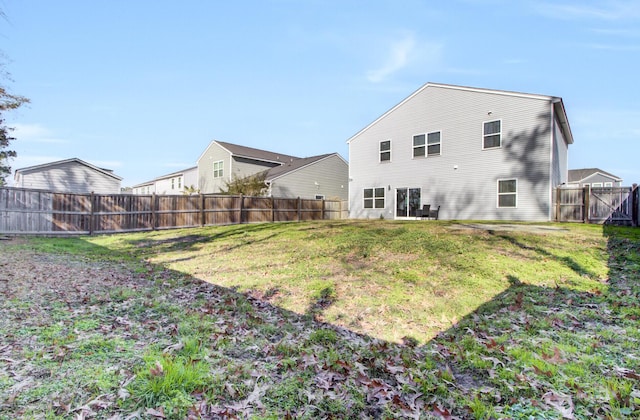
<point x="25" y="211"/>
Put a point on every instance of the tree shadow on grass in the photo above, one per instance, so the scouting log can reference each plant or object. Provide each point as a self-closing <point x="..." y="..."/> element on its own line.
<point x="530" y="351"/>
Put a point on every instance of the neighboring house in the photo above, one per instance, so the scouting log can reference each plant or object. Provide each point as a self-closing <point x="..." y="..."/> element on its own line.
<point x="593" y="177"/>
<point x="69" y="176"/>
<point x="145" y="188"/>
<point x="320" y="177"/>
<point x="173" y="183"/>
<point x="476" y="153"/>
<point x="324" y="176"/>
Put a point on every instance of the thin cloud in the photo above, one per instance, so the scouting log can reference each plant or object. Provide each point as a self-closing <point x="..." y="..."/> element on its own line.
<point x="399" y="57"/>
<point x="35" y="133"/>
<point x="514" y="61"/>
<point x="609" y="11"/>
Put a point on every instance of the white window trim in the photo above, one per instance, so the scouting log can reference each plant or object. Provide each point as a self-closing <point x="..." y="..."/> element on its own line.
<point x="608" y="184"/>
<point x="485" y="135"/>
<point x="499" y="194"/>
<point x="413" y="147"/>
<point x="319" y="197"/>
<point x="214" y="169"/>
<point x="426" y="140"/>
<point x="380" y="152"/>
<point x="373" y="198"/>
<point x="597" y="185"/>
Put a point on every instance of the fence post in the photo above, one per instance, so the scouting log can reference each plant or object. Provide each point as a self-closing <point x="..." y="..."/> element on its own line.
<point x="322" y="211"/>
<point x="586" y="191"/>
<point x="635" y="202"/>
<point x="299" y="208"/>
<point x="202" y="202"/>
<point x="558" y="217"/>
<point x="91" y="213"/>
<point x="241" y="207"/>
<point x="154" y="209"/>
<point x="273" y="210"/>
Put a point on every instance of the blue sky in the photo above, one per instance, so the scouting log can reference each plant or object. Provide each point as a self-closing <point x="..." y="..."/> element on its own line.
<point x="142" y="87"/>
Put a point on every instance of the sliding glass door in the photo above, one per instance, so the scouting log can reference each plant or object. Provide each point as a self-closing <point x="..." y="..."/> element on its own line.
<point x="407" y="202"/>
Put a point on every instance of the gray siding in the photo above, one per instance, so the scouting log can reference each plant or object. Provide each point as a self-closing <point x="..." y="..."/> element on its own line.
<point x="233" y="166"/>
<point x="598" y="177"/>
<point x="463" y="179"/>
<point x="70" y="177"/>
<point x="328" y="177"/>
<point x="206" y="182"/>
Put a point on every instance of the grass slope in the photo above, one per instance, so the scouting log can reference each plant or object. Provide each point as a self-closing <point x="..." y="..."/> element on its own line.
<point x="372" y="319"/>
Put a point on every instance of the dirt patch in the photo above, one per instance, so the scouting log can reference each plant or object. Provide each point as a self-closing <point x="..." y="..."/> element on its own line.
<point x="508" y="227"/>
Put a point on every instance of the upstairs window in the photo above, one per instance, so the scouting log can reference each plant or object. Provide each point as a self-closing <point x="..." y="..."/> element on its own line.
<point x="173" y="183"/>
<point x="492" y="134"/>
<point x="385" y="151"/>
<point x="179" y="182"/>
<point x="433" y="144"/>
<point x="507" y="193"/>
<point x="218" y="167"/>
<point x="418" y="145"/>
<point x="374" y="198"/>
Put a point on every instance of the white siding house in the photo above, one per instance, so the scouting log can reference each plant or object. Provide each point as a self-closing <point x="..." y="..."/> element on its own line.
<point x="68" y="176"/>
<point x="593" y="177"/>
<point x="474" y="153"/>
<point x="173" y="183"/>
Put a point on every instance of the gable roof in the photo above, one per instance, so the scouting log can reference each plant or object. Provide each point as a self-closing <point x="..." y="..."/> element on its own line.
<point x="557" y="102"/>
<point x="576" y="175"/>
<point x="296" y="164"/>
<point x="35" y="168"/>
<point x="251" y="153"/>
<point x="172" y="174"/>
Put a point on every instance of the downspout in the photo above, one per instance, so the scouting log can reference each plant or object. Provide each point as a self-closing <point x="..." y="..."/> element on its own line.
<point x="551" y="156"/>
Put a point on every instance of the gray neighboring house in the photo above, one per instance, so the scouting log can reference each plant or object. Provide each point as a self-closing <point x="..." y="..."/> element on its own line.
<point x="593" y="177"/>
<point x="320" y="177"/>
<point x="323" y="176"/>
<point x="169" y="184"/>
<point x="476" y="153"/>
<point x="68" y="176"/>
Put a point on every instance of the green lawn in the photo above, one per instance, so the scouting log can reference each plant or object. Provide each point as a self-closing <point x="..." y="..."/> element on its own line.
<point x="325" y="319"/>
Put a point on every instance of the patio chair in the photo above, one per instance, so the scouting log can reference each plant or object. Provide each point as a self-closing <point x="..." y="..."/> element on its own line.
<point x="433" y="214"/>
<point x="424" y="212"/>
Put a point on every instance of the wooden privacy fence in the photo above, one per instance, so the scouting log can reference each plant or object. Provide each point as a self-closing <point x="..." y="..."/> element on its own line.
<point x="25" y="211"/>
<point x="611" y="205"/>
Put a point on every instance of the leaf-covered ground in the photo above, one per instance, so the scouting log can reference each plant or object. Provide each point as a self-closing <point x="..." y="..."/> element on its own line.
<point x="91" y="338"/>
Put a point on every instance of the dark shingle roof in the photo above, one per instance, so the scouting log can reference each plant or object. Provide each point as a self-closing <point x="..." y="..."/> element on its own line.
<point x="293" y="165"/>
<point x="251" y="153"/>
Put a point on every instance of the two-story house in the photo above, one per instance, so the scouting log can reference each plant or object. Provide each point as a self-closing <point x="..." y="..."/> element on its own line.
<point x="322" y="176"/>
<point x="170" y="184"/>
<point x="475" y="153"/>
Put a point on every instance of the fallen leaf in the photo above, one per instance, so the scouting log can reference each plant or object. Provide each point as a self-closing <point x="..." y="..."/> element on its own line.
<point x="156" y="413"/>
<point x="564" y="404"/>
<point x="157" y="370"/>
<point x="554" y="358"/>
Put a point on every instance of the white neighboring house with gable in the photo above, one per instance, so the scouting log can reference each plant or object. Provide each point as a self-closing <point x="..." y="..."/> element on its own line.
<point x="169" y="184"/>
<point x="68" y="176"/>
<point x="476" y="153"/>
<point x="593" y="177"/>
